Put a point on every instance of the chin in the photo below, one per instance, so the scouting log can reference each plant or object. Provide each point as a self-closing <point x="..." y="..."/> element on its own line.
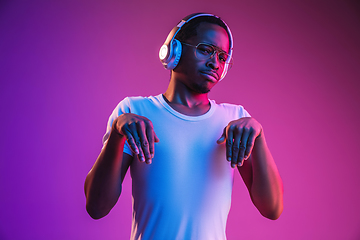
<point x="201" y="88"/>
<point x="205" y="90"/>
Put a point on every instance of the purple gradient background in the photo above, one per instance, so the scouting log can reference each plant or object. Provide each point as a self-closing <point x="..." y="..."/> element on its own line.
<point x="64" y="65"/>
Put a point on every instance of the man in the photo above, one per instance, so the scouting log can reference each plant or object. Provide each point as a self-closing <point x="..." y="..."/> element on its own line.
<point x="182" y="148"/>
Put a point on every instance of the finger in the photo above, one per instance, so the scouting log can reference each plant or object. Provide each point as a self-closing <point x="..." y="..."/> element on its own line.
<point x="156" y="139"/>
<point x="236" y="148"/>
<point x="229" y="143"/>
<point x="150" y="134"/>
<point x="243" y="146"/>
<point x="131" y="139"/>
<point x="143" y="141"/>
<point x="222" y="138"/>
<point x="136" y="142"/>
<point x="250" y="145"/>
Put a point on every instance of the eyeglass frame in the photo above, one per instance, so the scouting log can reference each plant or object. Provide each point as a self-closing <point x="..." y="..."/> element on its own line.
<point x="215" y="50"/>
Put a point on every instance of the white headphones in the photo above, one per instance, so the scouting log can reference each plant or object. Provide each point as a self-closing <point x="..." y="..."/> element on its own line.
<point x="170" y="51"/>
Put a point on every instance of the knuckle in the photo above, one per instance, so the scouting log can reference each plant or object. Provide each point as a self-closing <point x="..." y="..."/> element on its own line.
<point x="129" y="138"/>
<point x="236" y="129"/>
<point x="140" y="123"/>
<point x="231" y="127"/>
<point x="145" y="143"/>
<point x="235" y="149"/>
<point x="133" y="147"/>
<point x="148" y="123"/>
<point x="242" y="147"/>
<point x="131" y="125"/>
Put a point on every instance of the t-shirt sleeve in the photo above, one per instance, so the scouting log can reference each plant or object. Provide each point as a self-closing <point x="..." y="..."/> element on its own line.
<point x="243" y="112"/>
<point x="122" y="107"/>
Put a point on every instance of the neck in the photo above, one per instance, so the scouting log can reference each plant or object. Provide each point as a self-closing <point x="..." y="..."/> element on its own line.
<point x="185" y="101"/>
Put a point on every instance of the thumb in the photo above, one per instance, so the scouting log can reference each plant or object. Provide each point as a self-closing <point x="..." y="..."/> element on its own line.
<point x="222" y="138"/>
<point x="156" y="139"/>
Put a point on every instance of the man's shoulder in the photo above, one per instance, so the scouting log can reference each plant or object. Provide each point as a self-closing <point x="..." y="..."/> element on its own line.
<point x="231" y="108"/>
<point x="226" y="105"/>
<point x="130" y="100"/>
<point x="139" y="102"/>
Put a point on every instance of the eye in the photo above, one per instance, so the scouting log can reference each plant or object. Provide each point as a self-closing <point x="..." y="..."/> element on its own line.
<point x="205" y="49"/>
<point x="223" y="57"/>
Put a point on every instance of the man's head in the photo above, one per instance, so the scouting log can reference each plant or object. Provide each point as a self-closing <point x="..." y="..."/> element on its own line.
<point x="171" y="51"/>
<point x="203" y="57"/>
<point x="189" y="29"/>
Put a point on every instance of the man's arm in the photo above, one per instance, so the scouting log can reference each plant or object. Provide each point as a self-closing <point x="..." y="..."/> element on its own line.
<point x="103" y="182"/>
<point x="243" y="137"/>
<point x="263" y="181"/>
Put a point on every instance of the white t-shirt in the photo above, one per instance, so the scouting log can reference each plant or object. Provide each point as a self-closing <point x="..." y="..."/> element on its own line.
<point x="186" y="192"/>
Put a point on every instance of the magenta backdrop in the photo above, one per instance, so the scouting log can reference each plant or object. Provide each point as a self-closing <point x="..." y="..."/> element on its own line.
<point x="65" y="64"/>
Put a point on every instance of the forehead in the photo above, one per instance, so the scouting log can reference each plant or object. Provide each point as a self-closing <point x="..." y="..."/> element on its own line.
<point x="212" y="34"/>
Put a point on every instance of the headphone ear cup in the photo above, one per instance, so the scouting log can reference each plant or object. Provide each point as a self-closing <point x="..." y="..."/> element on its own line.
<point x="175" y="53"/>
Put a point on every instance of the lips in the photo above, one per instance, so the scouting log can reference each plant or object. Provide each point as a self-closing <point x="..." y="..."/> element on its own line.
<point x="211" y="74"/>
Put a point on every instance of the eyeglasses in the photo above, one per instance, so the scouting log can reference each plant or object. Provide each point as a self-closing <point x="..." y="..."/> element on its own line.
<point x="206" y="51"/>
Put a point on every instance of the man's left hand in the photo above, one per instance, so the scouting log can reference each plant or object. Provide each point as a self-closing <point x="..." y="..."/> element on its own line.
<point x="240" y="136"/>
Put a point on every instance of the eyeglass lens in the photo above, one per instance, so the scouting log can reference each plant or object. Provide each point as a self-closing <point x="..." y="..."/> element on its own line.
<point x="205" y="51"/>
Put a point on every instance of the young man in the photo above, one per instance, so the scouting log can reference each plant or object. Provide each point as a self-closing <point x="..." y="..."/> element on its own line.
<point x="182" y="148"/>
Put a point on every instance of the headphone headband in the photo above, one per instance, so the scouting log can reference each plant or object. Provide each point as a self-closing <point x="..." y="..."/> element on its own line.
<point x="170" y="51"/>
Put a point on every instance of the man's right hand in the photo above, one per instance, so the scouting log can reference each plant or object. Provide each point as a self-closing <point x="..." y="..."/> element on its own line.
<point x="139" y="133"/>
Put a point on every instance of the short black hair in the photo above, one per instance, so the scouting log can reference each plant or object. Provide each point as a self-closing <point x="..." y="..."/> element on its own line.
<point x="189" y="29"/>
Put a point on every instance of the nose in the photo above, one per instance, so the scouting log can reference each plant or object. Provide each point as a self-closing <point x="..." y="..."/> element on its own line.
<point x="213" y="61"/>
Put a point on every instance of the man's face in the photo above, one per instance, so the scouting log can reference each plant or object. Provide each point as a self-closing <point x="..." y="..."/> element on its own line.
<point x="201" y="75"/>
